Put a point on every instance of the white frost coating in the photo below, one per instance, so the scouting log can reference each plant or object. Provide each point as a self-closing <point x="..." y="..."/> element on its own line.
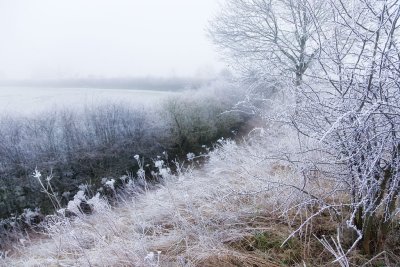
<point x="190" y="156"/>
<point x="159" y="164"/>
<point x="110" y="184"/>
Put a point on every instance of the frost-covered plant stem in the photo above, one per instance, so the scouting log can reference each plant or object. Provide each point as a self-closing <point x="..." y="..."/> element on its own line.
<point x="141" y="174"/>
<point x="47" y="188"/>
<point x="336" y="250"/>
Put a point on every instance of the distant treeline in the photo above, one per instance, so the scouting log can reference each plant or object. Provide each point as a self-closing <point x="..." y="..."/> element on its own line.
<point x="142" y="83"/>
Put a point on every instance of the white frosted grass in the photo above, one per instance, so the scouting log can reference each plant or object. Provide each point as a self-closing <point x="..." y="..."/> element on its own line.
<point x="31" y="101"/>
<point x="190" y="218"/>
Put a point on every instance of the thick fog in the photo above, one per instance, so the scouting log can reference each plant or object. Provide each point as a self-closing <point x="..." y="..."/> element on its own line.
<point x="62" y="39"/>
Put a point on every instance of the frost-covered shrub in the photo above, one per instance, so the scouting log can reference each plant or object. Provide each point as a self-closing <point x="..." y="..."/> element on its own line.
<point x="74" y="146"/>
<point x="201" y="117"/>
<point x="99" y="141"/>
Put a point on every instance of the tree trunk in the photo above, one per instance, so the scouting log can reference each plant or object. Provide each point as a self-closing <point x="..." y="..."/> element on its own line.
<point x="369" y="233"/>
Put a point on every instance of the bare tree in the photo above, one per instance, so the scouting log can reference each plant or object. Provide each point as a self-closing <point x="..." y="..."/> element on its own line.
<point x="348" y="101"/>
<point x="352" y="107"/>
<point x="271" y="38"/>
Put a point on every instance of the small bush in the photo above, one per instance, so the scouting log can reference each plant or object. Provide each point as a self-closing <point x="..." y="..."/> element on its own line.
<point x="199" y="120"/>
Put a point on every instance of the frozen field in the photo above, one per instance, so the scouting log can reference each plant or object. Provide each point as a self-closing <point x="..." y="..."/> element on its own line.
<point x="26" y="101"/>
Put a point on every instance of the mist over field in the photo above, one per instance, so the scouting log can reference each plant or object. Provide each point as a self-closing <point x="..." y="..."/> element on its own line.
<point x="32" y="101"/>
<point x="38" y="95"/>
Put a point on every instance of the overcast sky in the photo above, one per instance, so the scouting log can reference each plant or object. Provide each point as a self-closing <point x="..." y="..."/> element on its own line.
<point x="110" y="38"/>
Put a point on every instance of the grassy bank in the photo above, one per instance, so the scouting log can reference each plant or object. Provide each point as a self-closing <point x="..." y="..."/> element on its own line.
<point x="243" y="208"/>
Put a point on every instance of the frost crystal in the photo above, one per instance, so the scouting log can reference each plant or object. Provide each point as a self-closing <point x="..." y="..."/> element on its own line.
<point x="149" y="256"/>
<point x="110" y="183"/>
<point x="190" y="156"/>
<point x="37" y="174"/>
<point x="159" y="163"/>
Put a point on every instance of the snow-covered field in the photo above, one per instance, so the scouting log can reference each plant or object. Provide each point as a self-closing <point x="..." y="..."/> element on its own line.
<point x="26" y="101"/>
